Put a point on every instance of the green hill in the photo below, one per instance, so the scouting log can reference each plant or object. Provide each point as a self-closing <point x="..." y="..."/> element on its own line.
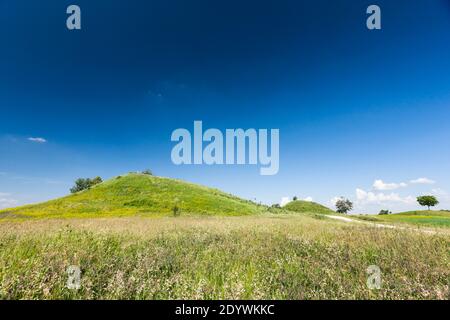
<point x="140" y="194"/>
<point x="423" y="217"/>
<point x="307" y="207"/>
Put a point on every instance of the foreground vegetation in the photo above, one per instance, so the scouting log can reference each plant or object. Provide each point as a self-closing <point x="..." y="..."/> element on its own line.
<point x="248" y="257"/>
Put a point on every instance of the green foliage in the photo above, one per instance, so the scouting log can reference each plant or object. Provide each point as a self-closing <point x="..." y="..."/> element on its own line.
<point x="428" y="201"/>
<point x="306" y="207"/>
<point x="344" y="206"/>
<point x="148" y="172"/>
<point x="84" y="184"/>
<point x="384" y="212"/>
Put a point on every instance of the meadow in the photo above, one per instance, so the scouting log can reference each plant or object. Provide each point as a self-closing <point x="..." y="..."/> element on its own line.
<point x="143" y="237"/>
<point x="265" y="256"/>
<point x="423" y="218"/>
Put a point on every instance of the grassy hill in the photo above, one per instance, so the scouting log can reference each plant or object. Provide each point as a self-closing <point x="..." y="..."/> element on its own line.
<point x="139" y="194"/>
<point x="422" y="217"/>
<point x="307" y="207"/>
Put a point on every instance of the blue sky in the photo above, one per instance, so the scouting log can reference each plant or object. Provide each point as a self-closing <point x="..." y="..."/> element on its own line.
<point x="353" y="106"/>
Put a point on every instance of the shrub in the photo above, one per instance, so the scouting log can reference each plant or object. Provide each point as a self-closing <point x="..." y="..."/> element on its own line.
<point x="148" y="172"/>
<point x="176" y="211"/>
<point x="384" y="212"/>
<point x="85" y="183"/>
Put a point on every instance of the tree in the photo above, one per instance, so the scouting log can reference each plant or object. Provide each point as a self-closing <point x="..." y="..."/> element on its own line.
<point x="295" y="198"/>
<point x="95" y="181"/>
<point x="85" y="183"/>
<point x="344" y="205"/>
<point x="429" y="201"/>
<point x="147" y="171"/>
<point x="80" y="184"/>
<point x="384" y="212"/>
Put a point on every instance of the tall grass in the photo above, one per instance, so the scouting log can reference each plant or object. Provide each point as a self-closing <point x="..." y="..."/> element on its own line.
<point x="252" y="257"/>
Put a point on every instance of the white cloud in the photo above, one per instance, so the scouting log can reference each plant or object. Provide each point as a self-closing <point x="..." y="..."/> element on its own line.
<point x="439" y="192"/>
<point x="6" y="203"/>
<point x="3" y="194"/>
<point x="309" y="199"/>
<point x="37" y="139"/>
<point x="422" y="181"/>
<point x="284" y="201"/>
<point x="364" y="197"/>
<point x="381" y="185"/>
<point x="334" y="200"/>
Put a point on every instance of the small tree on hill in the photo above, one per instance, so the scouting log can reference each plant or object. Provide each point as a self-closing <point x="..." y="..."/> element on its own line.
<point x="147" y="171"/>
<point x="295" y="198"/>
<point x="428" y="201"/>
<point x="95" y="181"/>
<point x="343" y="205"/>
<point x="83" y="184"/>
<point x="384" y="212"/>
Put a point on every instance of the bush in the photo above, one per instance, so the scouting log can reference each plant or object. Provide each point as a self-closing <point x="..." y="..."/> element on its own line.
<point x="148" y="172"/>
<point x="384" y="212"/>
<point x="176" y="211"/>
<point x="85" y="183"/>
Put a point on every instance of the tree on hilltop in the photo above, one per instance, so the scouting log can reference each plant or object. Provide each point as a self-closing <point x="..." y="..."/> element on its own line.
<point x="428" y="201"/>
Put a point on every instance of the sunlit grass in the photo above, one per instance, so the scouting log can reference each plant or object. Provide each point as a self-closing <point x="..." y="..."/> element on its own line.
<point x="417" y="218"/>
<point x="249" y="257"/>
<point x="139" y="194"/>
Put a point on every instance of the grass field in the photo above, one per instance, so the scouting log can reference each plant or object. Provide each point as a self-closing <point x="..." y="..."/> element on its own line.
<point x="128" y="245"/>
<point x="248" y="257"/>
<point x="435" y="219"/>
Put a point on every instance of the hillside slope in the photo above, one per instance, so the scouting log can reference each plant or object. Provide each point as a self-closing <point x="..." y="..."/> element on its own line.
<point x="307" y="206"/>
<point x="140" y="194"/>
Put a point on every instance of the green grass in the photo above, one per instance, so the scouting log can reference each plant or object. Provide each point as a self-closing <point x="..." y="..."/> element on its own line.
<point x="139" y="194"/>
<point x="307" y="207"/>
<point x="426" y="218"/>
<point x="205" y="257"/>
<point x="221" y="247"/>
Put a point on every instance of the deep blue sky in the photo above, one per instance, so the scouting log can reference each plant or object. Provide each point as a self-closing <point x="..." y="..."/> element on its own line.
<point x="352" y="105"/>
